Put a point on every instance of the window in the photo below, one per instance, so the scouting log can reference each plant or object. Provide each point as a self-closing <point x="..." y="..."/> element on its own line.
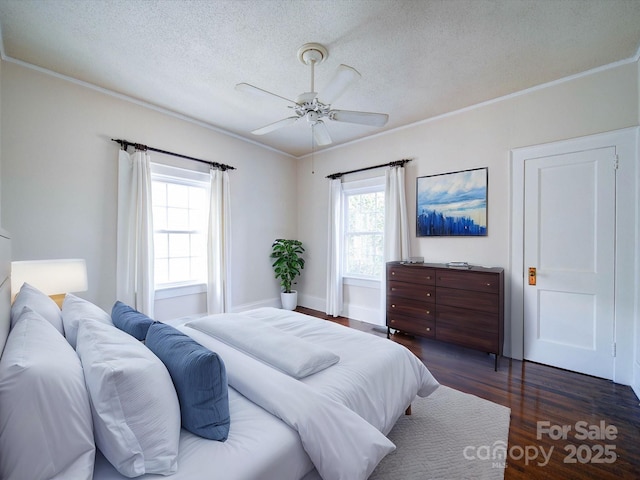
<point x="180" y="208"/>
<point x="363" y="252"/>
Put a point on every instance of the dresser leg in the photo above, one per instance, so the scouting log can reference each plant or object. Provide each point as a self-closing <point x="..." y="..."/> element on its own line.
<point x="388" y="333"/>
<point x="495" y="367"/>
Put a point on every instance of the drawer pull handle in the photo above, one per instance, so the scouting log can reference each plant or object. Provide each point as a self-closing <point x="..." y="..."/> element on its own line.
<point x="488" y="284"/>
<point x="428" y="312"/>
<point x="429" y="278"/>
<point x="393" y="321"/>
<point x="393" y="289"/>
<point x="428" y="329"/>
<point x="393" y="305"/>
<point x="428" y="294"/>
<point x="393" y="273"/>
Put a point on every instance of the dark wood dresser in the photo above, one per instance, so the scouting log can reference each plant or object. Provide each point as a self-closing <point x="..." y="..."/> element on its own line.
<point x="464" y="306"/>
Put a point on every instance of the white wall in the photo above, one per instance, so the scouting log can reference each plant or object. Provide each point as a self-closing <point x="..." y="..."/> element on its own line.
<point x="636" y="365"/>
<point x="1" y="143"/>
<point x="478" y="137"/>
<point x="59" y="182"/>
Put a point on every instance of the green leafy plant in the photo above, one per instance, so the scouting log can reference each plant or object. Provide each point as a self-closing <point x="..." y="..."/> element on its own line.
<point x="288" y="261"/>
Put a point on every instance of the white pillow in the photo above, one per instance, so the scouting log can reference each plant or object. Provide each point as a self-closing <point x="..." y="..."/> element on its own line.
<point x="76" y="310"/>
<point x="45" y="417"/>
<point x="293" y="355"/>
<point x="31" y="297"/>
<point x="136" y="414"/>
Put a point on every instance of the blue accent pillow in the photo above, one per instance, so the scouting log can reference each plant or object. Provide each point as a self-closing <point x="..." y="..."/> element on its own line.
<point x="200" y="379"/>
<point x="130" y="320"/>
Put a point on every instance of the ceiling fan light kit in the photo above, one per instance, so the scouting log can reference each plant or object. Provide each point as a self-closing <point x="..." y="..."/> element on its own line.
<point x="307" y="105"/>
<point x="312" y="52"/>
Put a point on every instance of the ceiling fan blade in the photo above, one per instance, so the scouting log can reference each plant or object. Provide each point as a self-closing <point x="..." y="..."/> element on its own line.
<point x="363" y="118"/>
<point x="341" y="81"/>
<point x="275" y="125"/>
<point x="320" y="133"/>
<point x="245" y="87"/>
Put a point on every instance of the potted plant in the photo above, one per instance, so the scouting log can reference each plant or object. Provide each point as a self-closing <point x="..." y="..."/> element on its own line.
<point x="287" y="265"/>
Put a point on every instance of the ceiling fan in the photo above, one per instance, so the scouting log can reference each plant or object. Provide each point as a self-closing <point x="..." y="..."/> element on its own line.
<point x="314" y="108"/>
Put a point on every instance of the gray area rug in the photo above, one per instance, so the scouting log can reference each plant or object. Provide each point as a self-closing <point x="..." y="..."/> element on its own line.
<point x="450" y="435"/>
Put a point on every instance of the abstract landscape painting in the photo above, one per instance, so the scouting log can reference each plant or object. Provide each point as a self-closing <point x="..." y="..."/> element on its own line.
<point x="452" y="204"/>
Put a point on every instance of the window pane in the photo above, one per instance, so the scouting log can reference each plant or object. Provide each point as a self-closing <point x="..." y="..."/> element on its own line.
<point x="159" y="193"/>
<point x="365" y="254"/>
<point x="159" y="218"/>
<point x="177" y="195"/>
<point x="364" y="234"/>
<point x="161" y="245"/>
<point x="366" y="212"/>
<point x="199" y="267"/>
<point x="178" y="245"/>
<point x="161" y="271"/>
<point x="198" y="219"/>
<point x="198" y="245"/>
<point x="179" y="269"/>
<point x="177" y="219"/>
<point x="197" y="197"/>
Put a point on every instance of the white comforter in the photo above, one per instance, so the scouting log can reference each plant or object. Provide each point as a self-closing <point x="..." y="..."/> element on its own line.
<point x="340" y="411"/>
<point x="340" y="443"/>
<point x="376" y="378"/>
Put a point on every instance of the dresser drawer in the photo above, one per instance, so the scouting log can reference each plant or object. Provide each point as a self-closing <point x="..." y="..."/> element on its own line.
<point x="467" y="280"/>
<point x="476" y="339"/>
<point x="469" y="299"/>
<point x="463" y="319"/>
<point x="426" y="293"/>
<point x="424" y="328"/>
<point x="402" y="307"/>
<point x="411" y="274"/>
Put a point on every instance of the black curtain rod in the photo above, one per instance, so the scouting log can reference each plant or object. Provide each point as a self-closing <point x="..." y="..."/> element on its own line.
<point x="138" y="146"/>
<point x="396" y="163"/>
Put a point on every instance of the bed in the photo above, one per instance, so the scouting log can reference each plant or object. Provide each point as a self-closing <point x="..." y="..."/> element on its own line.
<point x="329" y="424"/>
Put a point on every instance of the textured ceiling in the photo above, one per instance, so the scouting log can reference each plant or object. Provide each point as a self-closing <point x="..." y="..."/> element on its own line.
<point x="418" y="58"/>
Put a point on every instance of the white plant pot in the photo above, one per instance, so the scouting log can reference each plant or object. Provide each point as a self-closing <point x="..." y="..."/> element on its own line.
<point x="289" y="300"/>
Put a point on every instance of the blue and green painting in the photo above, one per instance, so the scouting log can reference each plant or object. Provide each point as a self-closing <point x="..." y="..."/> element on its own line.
<point x="452" y="204"/>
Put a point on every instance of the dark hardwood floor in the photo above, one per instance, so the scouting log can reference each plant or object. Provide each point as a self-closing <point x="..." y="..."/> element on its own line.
<point x="539" y="393"/>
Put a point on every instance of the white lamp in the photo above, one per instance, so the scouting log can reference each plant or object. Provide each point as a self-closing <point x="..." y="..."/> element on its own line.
<point x="53" y="277"/>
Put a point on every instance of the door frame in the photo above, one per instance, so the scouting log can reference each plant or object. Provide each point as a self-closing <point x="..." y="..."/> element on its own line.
<point x="625" y="142"/>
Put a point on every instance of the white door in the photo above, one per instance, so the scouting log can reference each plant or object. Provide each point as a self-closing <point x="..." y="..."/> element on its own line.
<point x="569" y="239"/>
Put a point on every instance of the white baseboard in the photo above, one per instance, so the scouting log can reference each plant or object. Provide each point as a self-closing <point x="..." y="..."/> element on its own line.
<point x="314" y="303"/>
<point x="363" y="314"/>
<point x="355" y="312"/>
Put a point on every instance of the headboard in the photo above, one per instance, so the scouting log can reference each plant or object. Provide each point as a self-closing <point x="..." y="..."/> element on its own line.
<point x="5" y="286"/>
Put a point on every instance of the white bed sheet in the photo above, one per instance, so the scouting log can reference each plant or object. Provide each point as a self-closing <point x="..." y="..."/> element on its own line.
<point x="375" y="378"/>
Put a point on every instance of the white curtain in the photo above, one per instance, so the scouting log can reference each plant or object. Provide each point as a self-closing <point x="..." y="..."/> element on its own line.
<point x="334" y="270"/>
<point x="396" y="223"/>
<point x="134" y="250"/>
<point x="396" y="228"/>
<point x="218" y="244"/>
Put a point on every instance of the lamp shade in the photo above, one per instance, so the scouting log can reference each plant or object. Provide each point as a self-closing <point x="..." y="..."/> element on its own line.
<point x="52" y="277"/>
